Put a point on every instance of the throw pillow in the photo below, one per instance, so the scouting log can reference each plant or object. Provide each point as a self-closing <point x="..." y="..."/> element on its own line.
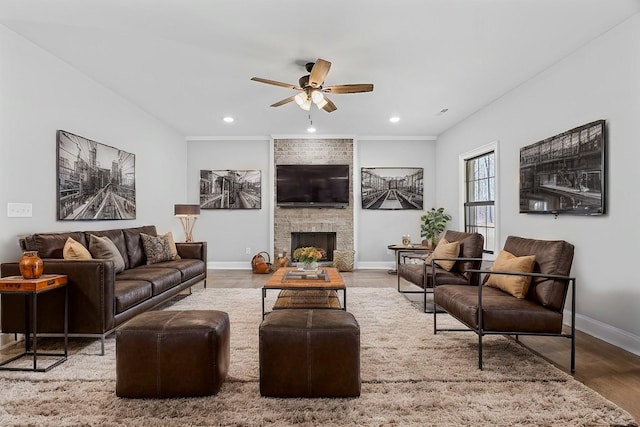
<point x="518" y="286"/>
<point x="104" y="248"/>
<point x="172" y="245"/>
<point x="444" y="249"/>
<point x="75" y="250"/>
<point x="157" y="249"/>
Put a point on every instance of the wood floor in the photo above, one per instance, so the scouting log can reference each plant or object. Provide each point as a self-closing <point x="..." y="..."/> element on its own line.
<point x="609" y="370"/>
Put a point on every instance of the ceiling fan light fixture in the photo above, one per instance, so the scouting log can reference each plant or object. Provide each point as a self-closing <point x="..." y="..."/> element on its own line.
<point x="322" y="103"/>
<point x="301" y="98"/>
<point x="306" y="105"/>
<point x="317" y="97"/>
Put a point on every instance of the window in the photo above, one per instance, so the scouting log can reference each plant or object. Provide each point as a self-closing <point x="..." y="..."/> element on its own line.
<point x="479" y="197"/>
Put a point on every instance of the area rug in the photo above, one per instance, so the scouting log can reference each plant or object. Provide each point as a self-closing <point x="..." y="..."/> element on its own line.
<point x="409" y="377"/>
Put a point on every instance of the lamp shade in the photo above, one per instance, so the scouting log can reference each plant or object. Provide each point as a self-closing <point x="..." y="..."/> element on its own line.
<point x="186" y="210"/>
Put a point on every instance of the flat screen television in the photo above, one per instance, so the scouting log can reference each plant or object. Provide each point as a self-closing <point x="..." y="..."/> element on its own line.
<point x="319" y="186"/>
<point x="565" y="173"/>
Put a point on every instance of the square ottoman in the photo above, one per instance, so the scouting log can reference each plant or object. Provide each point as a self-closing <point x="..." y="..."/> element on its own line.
<point x="172" y="354"/>
<point x="309" y="353"/>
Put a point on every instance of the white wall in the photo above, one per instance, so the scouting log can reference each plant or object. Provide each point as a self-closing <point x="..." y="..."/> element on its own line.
<point x="40" y="94"/>
<point x="229" y="232"/>
<point x="376" y="229"/>
<point x="599" y="81"/>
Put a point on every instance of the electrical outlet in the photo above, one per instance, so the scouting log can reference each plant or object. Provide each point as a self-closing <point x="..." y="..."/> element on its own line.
<point x="247" y="251"/>
<point x="19" y="210"/>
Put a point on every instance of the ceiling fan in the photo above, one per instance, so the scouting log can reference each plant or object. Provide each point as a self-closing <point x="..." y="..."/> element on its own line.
<point x="311" y="90"/>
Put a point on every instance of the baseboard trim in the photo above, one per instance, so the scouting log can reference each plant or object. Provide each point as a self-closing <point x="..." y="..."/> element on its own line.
<point x="375" y="265"/>
<point x="229" y="265"/>
<point x="610" y="334"/>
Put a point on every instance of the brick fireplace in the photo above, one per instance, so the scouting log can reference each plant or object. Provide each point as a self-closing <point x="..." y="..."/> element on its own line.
<point x="338" y="222"/>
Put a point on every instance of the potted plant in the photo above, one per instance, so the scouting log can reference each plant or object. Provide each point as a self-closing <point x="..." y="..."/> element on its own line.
<point x="434" y="223"/>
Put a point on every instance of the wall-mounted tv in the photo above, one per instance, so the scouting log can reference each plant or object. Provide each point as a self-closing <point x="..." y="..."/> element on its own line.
<point x="565" y="173"/>
<point x="318" y="186"/>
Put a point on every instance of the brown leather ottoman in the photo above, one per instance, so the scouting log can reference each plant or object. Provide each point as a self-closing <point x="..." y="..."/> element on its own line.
<point x="172" y="354"/>
<point x="309" y="353"/>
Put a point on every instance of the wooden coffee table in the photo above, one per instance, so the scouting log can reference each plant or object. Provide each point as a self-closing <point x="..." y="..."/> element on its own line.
<point x="299" y="289"/>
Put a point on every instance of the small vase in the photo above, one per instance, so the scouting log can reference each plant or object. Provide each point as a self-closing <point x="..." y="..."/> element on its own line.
<point x="31" y="265"/>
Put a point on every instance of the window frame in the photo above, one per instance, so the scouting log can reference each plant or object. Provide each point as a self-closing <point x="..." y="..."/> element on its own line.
<point x="489" y="252"/>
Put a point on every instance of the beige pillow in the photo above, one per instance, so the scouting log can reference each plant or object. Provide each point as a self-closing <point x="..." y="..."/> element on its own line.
<point x="75" y="250"/>
<point x="445" y="249"/>
<point x="514" y="285"/>
<point x="172" y="244"/>
<point x="104" y="248"/>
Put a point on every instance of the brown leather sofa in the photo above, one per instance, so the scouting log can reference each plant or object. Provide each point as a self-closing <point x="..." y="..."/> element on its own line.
<point x="422" y="274"/>
<point x="99" y="299"/>
<point x="487" y="310"/>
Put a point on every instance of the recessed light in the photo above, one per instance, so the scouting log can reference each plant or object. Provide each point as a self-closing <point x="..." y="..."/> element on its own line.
<point x="394" y="119"/>
<point x="311" y="129"/>
<point x="228" y="119"/>
<point x="441" y="112"/>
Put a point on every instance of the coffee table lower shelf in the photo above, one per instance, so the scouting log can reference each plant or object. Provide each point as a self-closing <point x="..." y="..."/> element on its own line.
<point x="288" y="298"/>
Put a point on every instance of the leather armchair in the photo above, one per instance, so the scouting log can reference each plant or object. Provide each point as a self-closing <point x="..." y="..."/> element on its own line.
<point x="487" y="310"/>
<point x="423" y="274"/>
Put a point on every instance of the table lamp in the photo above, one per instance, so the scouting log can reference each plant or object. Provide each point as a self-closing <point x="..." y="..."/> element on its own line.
<point x="187" y="214"/>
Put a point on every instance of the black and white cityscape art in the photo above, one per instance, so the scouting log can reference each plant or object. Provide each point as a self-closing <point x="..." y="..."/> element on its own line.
<point x="95" y="181"/>
<point x="565" y="173"/>
<point x="392" y="188"/>
<point x="230" y="189"/>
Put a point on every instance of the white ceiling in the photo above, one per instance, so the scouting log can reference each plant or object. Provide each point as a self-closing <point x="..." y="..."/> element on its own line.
<point x="189" y="62"/>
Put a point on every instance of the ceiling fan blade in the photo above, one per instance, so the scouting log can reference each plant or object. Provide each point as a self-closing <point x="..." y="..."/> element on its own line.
<point x="354" y="88"/>
<point x="330" y="106"/>
<point x="319" y="72"/>
<point x="275" y="83"/>
<point x="284" y="101"/>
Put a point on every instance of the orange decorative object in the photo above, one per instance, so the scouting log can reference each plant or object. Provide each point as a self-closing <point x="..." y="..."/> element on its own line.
<point x="31" y="265"/>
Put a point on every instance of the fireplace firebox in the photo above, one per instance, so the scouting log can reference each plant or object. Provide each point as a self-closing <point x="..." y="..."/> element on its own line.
<point x="322" y="240"/>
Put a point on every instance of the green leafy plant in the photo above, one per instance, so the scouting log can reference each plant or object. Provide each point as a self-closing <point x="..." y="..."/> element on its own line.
<point x="434" y="222"/>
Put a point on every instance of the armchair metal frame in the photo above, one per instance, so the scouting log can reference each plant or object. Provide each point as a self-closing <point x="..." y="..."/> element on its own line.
<point x="480" y="331"/>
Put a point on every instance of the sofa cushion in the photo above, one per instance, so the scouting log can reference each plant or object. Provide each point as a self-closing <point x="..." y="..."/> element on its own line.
<point x="117" y="237"/>
<point x="156" y="248"/>
<point x="160" y="278"/>
<point x="75" y="250"/>
<point x="51" y="245"/>
<point x="518" y="286"/>
<point x="133" y="242"/>
<point x="444" y="249"/>
<point x="552" y="257"/>
<point x="104" y="248"/>
<point x="501" y="311"/>
<point x="129" y="293"/>
<point x="187" y="267"/>
<point x="172" y="244"/>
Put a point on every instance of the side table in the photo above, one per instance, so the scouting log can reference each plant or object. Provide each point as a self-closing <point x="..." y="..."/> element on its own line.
<point x="413" y="247"/>
<point x="31" y="288"/>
